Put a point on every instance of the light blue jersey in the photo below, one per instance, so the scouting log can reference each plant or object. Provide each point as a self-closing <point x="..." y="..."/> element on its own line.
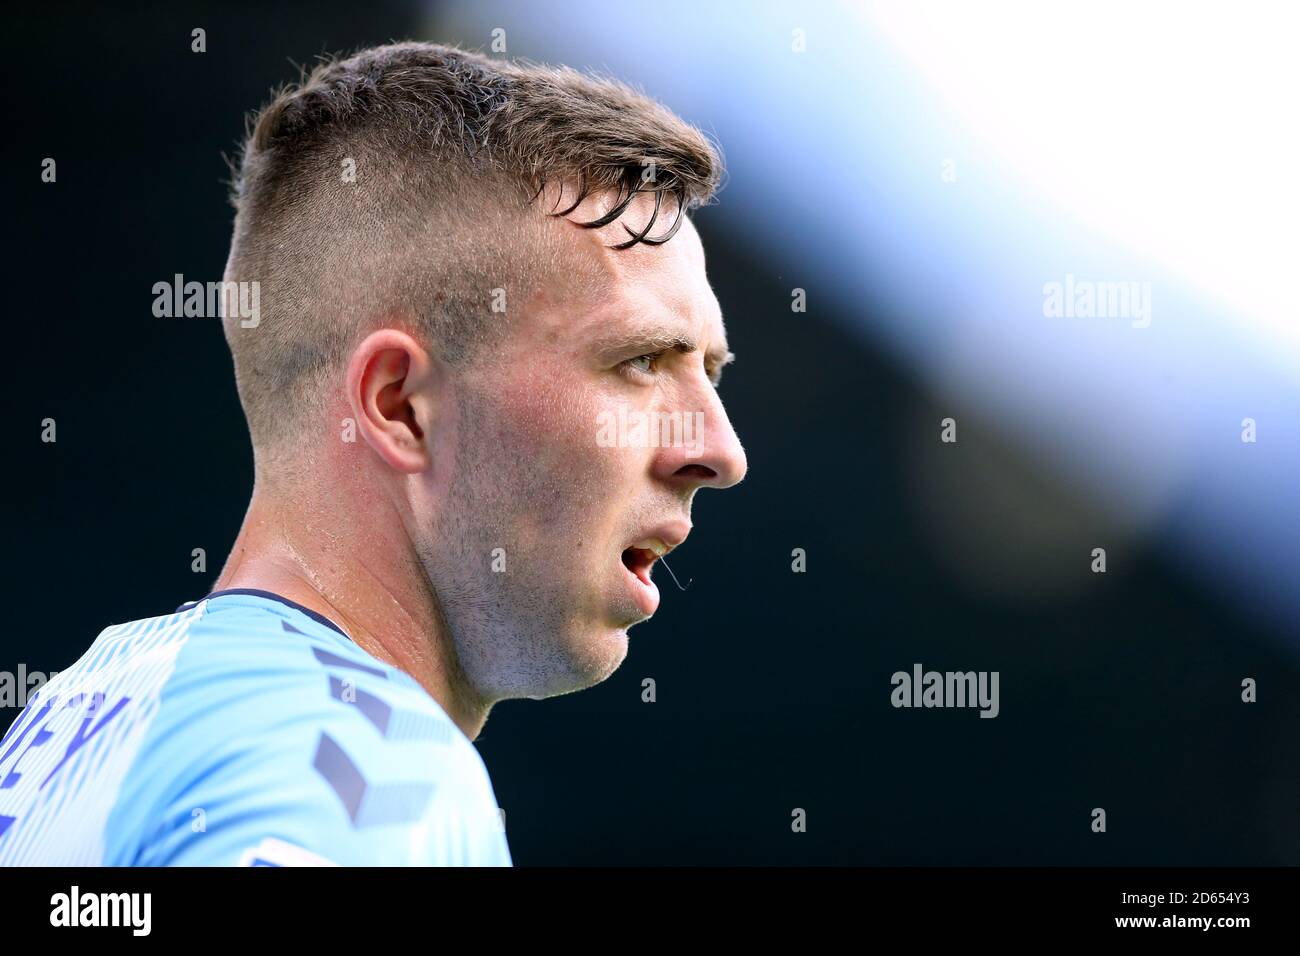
<point x="241" y="730"/>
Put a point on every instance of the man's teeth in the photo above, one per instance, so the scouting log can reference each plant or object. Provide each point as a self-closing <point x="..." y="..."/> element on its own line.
<point x="654" y="545"/>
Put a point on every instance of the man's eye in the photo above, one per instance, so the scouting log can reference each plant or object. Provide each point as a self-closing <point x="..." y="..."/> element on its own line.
<point x="644" y="363"/>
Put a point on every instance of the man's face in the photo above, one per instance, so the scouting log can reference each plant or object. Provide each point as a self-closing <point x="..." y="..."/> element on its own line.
<point x="579" y="446"/>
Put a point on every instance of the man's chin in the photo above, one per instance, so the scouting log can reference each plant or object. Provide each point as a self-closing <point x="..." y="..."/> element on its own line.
<point x="604" y="657"/>
<point x="592" y="663"/>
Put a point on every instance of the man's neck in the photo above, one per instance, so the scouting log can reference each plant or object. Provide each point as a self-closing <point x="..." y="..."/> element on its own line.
<point x="325" y="573"/>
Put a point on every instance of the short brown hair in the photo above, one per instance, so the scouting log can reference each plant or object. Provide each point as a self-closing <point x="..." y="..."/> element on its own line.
<point x="449" y="148"/>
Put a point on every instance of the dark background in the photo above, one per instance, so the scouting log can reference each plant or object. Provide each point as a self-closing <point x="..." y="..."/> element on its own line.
<point x="773" y="687"/>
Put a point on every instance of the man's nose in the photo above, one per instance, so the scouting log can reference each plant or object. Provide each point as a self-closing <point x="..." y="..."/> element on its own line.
<point x="705" y="452"/>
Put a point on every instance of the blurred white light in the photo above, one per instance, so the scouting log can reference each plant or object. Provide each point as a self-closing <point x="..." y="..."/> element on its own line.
<point x="1171" y="128"/>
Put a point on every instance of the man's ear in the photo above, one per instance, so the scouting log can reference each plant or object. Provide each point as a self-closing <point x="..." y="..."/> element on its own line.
<point x="395" y="390"/>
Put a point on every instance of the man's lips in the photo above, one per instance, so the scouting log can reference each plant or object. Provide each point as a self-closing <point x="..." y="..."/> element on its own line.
<point x="639" y="557"/>
<point x="644" y="591"/>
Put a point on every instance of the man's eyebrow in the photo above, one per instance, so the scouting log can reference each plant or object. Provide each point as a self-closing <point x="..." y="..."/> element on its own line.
<point x="650" y="338"/>
<point x="654" y="338"/>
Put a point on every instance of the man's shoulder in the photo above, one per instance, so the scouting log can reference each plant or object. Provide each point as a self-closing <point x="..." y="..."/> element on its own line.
<point x="272" y="716"/>
<point x="239" y="650"/>
<point x="259" y="681"/>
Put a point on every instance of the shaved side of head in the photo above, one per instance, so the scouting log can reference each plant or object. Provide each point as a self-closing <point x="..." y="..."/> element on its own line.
<point x="409" y="186"/>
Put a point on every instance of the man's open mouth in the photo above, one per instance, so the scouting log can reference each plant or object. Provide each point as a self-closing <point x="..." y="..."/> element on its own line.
<point x="641" y="556"/>
<point x="638" y="560"/>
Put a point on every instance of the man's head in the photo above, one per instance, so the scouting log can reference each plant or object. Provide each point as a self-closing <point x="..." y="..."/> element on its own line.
<point x="485" y="325"/>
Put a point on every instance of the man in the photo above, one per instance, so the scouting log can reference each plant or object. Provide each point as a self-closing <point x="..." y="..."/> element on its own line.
<point x="468" y="271"/>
